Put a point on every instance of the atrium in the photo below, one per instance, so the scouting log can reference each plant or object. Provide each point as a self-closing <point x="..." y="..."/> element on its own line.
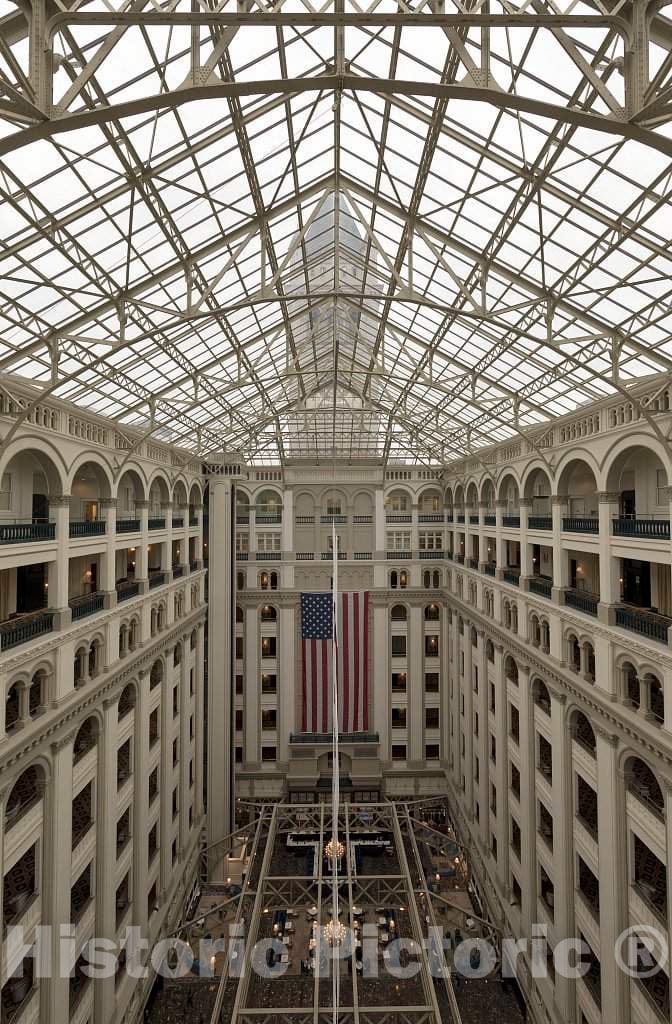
<point x="335" y="500"/>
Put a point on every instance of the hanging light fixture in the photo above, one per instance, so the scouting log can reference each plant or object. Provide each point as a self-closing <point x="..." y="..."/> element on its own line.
<point x="334" y="849"/>
<point x="335" y="932"/>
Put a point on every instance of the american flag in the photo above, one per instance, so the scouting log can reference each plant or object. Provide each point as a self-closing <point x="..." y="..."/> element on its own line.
<point x="352" y="662"/>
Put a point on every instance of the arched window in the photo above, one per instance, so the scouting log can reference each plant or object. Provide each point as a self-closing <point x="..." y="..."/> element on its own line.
<point x="631" y="692"/>
<point x="474" y="637"/>
<point x="154" y="624"/>
<point x="511" y="669"/>
<point x="239" y="614"/>
<point x="574" y="653"/>
<point x="27" y="791"/>
<point x="432" y="613"/>
<point x="240" y="581"/>
<point x="645" y="786"/>
<point x="656" y="698"/>
<point x="490" y="650"/>
<point x="13" y="707"/>
<point x="161" y="617"/>
<point x="126" y="702"/>
<point x="264" y="581"/>
<point x="95" y="658"/>
<point x="37" y="693"/>
<point x="426" y="579"/>
<point x="156" y="674"/>
<point x="398" y="613"/>
<point x="85" y="740"/>
<point x="403" y="579"/>
<point x="436" y="579"/>
<point x="589" y="652"/>
<point x="269" y="613"/>
<point x="193" y="639"/>
<point x="177" y="654"/>
<point x="535" y="631"/>
<point x="582" y="731"/>
<point x="80" y="666"/>
<point x="541" y="696"/>
<point x="274" y="580"/>
<point x="393" y="580"/>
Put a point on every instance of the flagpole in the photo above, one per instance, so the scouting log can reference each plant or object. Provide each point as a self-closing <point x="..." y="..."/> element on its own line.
<point x="335" y="767"/>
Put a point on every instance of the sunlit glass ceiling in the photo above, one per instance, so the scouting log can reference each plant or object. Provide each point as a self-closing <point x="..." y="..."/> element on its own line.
<point x="398" y="232"/>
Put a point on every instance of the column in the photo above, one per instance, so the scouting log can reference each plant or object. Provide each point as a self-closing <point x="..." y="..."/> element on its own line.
<point x="444" y="684"/>
<point x="500" y="544"/>
<point x="484" y="778"/>
<point x="380" y="523"/>
<point x="382" y="683"/>
<point x="610" y="587"/>
<point x="57" y="867"/>
<point x="141" y="556"/>
<point x="252" y="532"/>
<point x="140" y="802"/>
<point x="165" y="760"/>
<point x="528" y="808"/>
<point x="184" y="540"/>
<point x="199" y="711"/>
<point x="106" y="851"/>
<point x="563" y="845"/>
<point x="198" y="537"/>
<point x="167" y="549"/>
<point x="58" y="570"/>
<point x="612" y="840"/>
<point x="482" y="530"/>
<point x="415" y="533"/>
<point x="667" y="790"/>
<point x="526" y="566"/>
<point x="289" y="680"/>
<point x="185" y="757"/>
<point x="415" y="702"/>
<point x="221" y="669"/>
<point x="560" y="564"/>
<point x="502" y="769"/>
<point x="109" y="574"/>
<point x="252" y="690"/>
<point x="467" y="685"/>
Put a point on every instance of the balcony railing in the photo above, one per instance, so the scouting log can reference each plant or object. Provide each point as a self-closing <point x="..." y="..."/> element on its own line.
<point x="156" y="523"/>
<point x="511" y="522"/>
<point x="430" y="517"/>
<point x="21" y="533"/>
<point x="25" y="628"/>
<point x="430" y="554"/>
<point x="472" y="563"/>
<point x="157" y="578"/>
<point x="193" y="565"/>
<point x="583" y="602"/>
<point x="581" y="524"/>
<point x="178" y="571"/>
<point x="362" y="520"/>
<point x="128" y="525"/>
<point x="512" y="576"/>
<point x="540" y="522"/>
<point x="242" y="520"/>
<point x="398" y="517"/>
<point x="449" y="517"/>
<point x="489" y="519"/>
<point x="333" y="518"/>
<point x="460" y="517"/>
<point x="539" y="585"/>
<point x="305" y="520"/>
<point x="242" y="556"/>
<point x="193" y="520"/>
<point x="305" y="556"/>
<point x="654" y="529"/>
<point x="645" y="623"/>
<point x="86" y="604"/>
<point x="127" y="589"/>
<point x="268" y="518"/>
<point x="87" y="527"/>
<point x="327" y="556"/>
<point x="490" y="568"/>
<point x="178" y="522"/>
<point x="474" y="519"/>
<point x="399" y="554"/>
<point x="363" y="556"/>
<point x="268" y="556"/>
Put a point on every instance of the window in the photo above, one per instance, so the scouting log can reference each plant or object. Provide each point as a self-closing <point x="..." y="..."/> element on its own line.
<point x="431" y="718"/>
<point x="396" y="503"/>
<point x="268" y="754"/>
<point x="398" y="751"/>
<point x="431" y="682"/>
<point x="239" y="719"/>
<point x="240" y="647"/>
<point x="269" y="683"/>
<point x="398" y="682"/>
<point x="515" y="781"/>
<point x="398" y="718"/>
<point x="153" y="785"/>
<point x="269" y="719"/>
<point x="239" y="684"/>
<point x="432" y="752"/>
<point x="269" y="541"/>
<point x="430" y="540"/>
<point x="398" y="540"/>
<point x="242" y="541"/>
<point x="514" y="717"/>
<point x="398" y="646"/>
<point x="432" y="646"/>
<point x="268" y="646"/>
<point x="239" y="755"/>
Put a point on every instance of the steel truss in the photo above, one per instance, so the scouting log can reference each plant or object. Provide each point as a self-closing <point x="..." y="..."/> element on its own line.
<point x="497" y="256"/>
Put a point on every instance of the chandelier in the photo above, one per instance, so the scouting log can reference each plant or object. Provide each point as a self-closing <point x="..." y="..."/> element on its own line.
<point x="335" y="932"/>
<point x="334" y="849"/>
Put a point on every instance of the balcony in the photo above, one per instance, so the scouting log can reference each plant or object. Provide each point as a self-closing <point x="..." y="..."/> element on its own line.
<point x="193" y="521"/>
<point x="398" y="517"/>
<point x="511" y="522"/>
<point x="87" y="528"/>
<point x="362" y="520"/>
<point x="268" y="518"/>
<point x="268" y="556"/>
<point x="87" y="604"/>
<point x="305" y="520"/>
<point x="541" y="586"/>
<point x="430" y="554"/>
<point x="178" y="571"/>
<point x="363" y="556"/>
<point x="128" y="525"/>
<point x="581" y="524"/>
<point x="305" y="556"/>
<point x="126" y="589"/>
<point x="178" y="522"/>
<point x="193" y="565"/>
<point x="156" y="523"/>
<point x="646" y="623"/>
<point x="540" y="522"/>
<point x="328" y="556"/>
<point x="459" y="557"/>
<point x="472" y="563"/>
<point x="157" y="578"/>
<point x="473" y="520"/>
<point x="653" y="529"/>
<point x="512" y="576"/>
<point x="22" y="533"/>
<point x="430" y="517"/>
<point x="489" y="519"/>
<point x="399" y="554"/>
<point x="582" y="601"/>
<point x="490" y="568"/>
<point x="25" y="628"/>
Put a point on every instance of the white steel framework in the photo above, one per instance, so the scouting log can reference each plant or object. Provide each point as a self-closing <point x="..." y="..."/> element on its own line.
<point x="396" y="231"/>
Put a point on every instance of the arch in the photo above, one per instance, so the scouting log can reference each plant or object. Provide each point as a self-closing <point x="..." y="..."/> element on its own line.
<point x="430" y="500"/>
<point x="459" y="496"/>
<point x="537" y="487"/>
<point x="86" y="738"/>
<point x="269" y="613"/>
<point x="45" y="457"/>
<point x="643" y="783"/>
<point x="362" y="503"/>
<point x="448" y="498"/>
<point x="30" y="478"/>
<point x="89" y="472"/>
<point x="487" y="496"/>
<point x="399" y="613"/>
<point x="511" y="669"/>
<point x="635" y="445"/>
<point x="472" y="495"/>
<point x="540" y="695"/>
<point x="242" y="502"/>
<point x="127" y="701"/>
<point x="577" y="474"/>
<point x="398" y="499"/>
<point x="432" y="612"/>
<point x="179" y="492"/>
<point x="13" y="706"/>
<point x="195" y="493"/>
<point x="239" y="614"/>
<point x="26" y="792"/>
<point x="490" y="650"/>
<point x="130" y="487"/>
<point x="268" y="501"/>
<point x="582" y="731"/>
<point x="159" y="490"/>
<point x="156" y="673"/>
<point x="177" y="654"/>
<point x="509" y="489"/>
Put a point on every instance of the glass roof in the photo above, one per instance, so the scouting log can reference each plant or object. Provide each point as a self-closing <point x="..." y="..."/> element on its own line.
<point x="392" y="232"/>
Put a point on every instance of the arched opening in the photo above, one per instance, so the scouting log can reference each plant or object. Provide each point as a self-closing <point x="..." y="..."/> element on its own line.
<point x="89" y="487"/>
<point x="126" y="703"/>
<point x="398" y="613"/>
<point x="239" y="614"/>
<point x="177" y="655"/>
<point x="656" y="698"/>
<point x="240" y="581"/>
<point x="13" y="707"/>
<point x="436" y="579"/>
<point x="432" y="613"/>
<point x="27" y="791"/>
<point x="397" y="503"/>
<point x="639" y="478"/>
<point x="631" y="690"/>
<point x="80" y="667"/>
<point x="159" y="498"/>
<point x="538" y="493"/>
<point x="644" y="785"/>
<point x="574" y="653"/>
<point x="37" y="693"/>
<point x="583" y="732"/>
<point x="95" y="658"/>
<point x="85" y="740"/>
<point x="577" y="484"/>
<point x="130" y="490"/>
<point x="541" y="696"/>
<point x="156" y="674"/>
<point x="269" y="507"/>
<point x="430" y="505"/>
<point x="269" y="613"/>
<point x="511" y="669"/>
<point x="490" y="651"/>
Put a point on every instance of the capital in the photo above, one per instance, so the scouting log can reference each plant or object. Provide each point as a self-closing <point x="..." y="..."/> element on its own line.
<point x="608" y="497"/>
<point x="59" y="500"/>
